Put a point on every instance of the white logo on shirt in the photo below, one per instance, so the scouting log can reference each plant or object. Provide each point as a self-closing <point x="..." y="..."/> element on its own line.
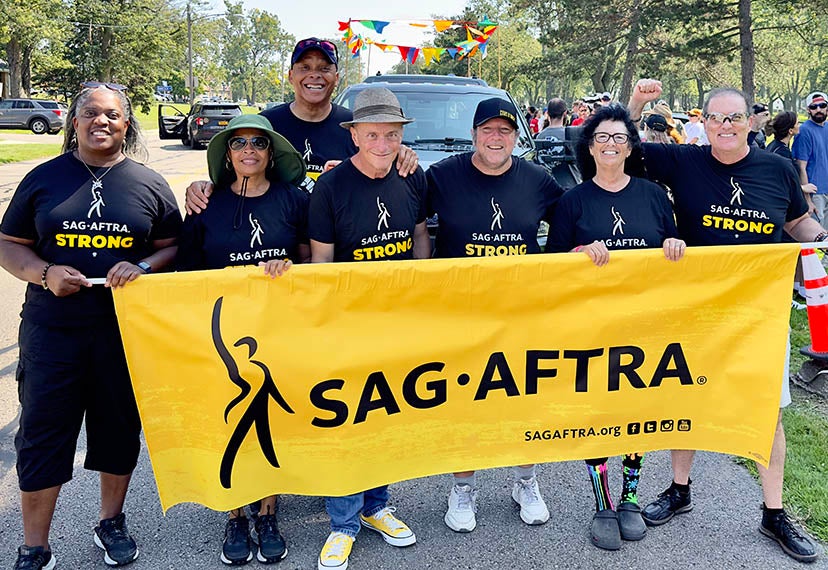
<point x="256" y="231"/>
<point x="497" y="216"/>
<point x="383" y="215"/>
<point x="97" y="199"/>
<point x="308" y="151"/>
<point x="737" y="192"/>
<point x="617" y="222"/>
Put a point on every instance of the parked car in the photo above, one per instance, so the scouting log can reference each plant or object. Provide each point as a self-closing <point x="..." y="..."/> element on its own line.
<point x="38" y="115"/>
<point x="443" y="108"/>
<point x="196" y="128"/>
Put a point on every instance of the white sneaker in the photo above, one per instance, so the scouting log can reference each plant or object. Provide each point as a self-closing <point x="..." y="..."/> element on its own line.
<point x="532" y="507"/>
<point x="462" y="504"/>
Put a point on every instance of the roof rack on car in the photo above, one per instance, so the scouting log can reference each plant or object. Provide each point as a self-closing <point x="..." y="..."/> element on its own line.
<point x="412" y="78"/>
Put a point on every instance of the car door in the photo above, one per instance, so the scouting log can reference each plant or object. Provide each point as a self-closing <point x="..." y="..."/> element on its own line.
<point x="171" y="121"/>
<point x="21" y="113"/>
<point x="5" y="112"/>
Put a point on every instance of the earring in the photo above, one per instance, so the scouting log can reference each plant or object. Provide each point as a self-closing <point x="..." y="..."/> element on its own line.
<point x="227" y="163"/>
<point x="272" y="161"/>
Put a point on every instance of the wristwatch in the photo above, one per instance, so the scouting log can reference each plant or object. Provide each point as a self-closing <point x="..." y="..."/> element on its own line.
<point x="144" y="266"/>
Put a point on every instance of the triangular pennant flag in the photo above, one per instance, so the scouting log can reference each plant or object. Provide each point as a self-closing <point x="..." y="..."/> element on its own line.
<point x="417" y="25"/>
<point x="431" y="53"/>
<point x="379" y="25"/>
<point x="453" y="51"/>
<point x="344" y="25"/>
<point x="468" y="35"/>
<point x="475" y="31"/>
<point x="485" y="22"/>
<point x="489" y="30"/>
<point x="442" y="25"/>
<point x="368" y="24"/>
<point x="413" y="54"/>
<point x="404" y="51"/>
<point x="482" y="48"/>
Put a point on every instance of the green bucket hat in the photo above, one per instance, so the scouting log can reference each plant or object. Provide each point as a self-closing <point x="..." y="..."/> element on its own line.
<point x="288" y="164"/>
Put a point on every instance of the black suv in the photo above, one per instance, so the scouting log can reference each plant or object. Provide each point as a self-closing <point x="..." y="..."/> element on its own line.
<point x="444" y="107"/>
<point x="196" y="128"/>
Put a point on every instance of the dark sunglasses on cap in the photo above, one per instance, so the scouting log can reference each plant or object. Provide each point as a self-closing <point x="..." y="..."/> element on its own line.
<point x="328" y="48"/>
<point x="112" y="86"/>
<point x="238" y="143"/>
<point x="816" y="106"/>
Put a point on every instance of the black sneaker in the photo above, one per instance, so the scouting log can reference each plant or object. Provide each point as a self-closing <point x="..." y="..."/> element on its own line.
<point x="34" y="558"/>
<point x="793" y="540"/>
<point x="669" y="503"/>
<point x="113" y="537"/>
<point x="271" y="544"/>
<point x="236" y="549"/>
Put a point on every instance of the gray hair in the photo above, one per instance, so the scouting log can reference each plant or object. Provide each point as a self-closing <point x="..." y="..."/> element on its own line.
<point x="725" y="91"/>
<point x="134" y="147"/>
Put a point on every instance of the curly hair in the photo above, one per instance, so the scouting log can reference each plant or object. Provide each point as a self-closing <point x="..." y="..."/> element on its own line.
<point x="612" y="112"/>
<point x="134" y="147"/>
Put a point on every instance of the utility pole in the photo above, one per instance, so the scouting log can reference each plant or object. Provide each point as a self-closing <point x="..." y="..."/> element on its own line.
<point x="190" y="53"/>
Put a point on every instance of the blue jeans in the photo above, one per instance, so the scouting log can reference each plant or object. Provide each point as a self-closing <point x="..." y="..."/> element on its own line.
<point x="344" y="511"/>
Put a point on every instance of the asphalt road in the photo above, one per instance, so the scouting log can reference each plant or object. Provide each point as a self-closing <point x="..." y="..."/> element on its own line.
<point x="721" y="531"/>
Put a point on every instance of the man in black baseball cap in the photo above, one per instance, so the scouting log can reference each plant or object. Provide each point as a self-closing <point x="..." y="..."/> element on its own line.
<point x="490" y="203"/>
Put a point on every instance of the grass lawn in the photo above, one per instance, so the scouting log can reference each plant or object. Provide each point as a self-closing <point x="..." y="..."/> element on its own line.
<point x="806" y="431"/>
<point x="18" y="152"/>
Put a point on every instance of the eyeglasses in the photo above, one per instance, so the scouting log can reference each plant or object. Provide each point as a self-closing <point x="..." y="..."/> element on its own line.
<point x="112" y="86"/>
<point x="718" y="119"/>
<point x="816" y="106"/>
<point x="618" y="138"/>
<point x="258" y="143"/>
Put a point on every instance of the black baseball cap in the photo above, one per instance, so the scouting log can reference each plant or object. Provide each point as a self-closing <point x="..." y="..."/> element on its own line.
<point x="760" y="108"/>
<point x="327" y="48"/>
<point x="495" y="108"/>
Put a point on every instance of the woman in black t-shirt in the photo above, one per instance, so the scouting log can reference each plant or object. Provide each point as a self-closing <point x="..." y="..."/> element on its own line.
<point x="613" y="210"/>
<point x="257" y="215"/>
<point x="90" y="217"/>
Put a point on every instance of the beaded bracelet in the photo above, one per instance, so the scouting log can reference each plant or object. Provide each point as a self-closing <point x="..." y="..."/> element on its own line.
<point x="43" y="276"/>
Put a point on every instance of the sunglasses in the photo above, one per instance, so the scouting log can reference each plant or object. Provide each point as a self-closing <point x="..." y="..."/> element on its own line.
<point x="618" y="138"/>
<point x="816" y="106"/>
<point x="329" y="48"/>
<point x="112" y="86"/>
<point x="718" y="119"/>
<point x="258" y="143"/>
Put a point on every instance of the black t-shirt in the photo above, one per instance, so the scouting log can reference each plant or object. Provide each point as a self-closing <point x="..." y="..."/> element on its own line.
<point x="638" y="216"/>
<point x="776" y="147"/>
<point x="317" y="142"/>
<point x="367" y="219"/>
<point x="727" y="204"/>
<point x="90" y="230"/>
<point x="245" y="231"/>
<point x="482" y="215"/>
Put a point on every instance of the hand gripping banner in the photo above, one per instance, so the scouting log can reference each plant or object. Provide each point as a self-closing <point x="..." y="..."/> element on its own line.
<point x="370" y="373"/>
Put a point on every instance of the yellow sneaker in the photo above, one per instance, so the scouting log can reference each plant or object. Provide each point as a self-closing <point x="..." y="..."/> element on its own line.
<point x="335" y="552"/>
<point x="393" y="530"/>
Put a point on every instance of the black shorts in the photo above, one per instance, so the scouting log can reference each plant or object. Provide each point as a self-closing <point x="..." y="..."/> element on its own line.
<point x="63" y="374"/>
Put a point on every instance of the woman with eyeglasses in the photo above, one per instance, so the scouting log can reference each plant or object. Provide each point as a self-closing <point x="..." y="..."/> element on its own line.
<point x="257" y="216"/>
<point x="89" y="220"/>
<point x="613" y="210"/>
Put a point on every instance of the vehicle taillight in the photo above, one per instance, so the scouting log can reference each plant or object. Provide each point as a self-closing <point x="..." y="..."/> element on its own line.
<point x="202" y="121"/>
<point x="57" y="112"/>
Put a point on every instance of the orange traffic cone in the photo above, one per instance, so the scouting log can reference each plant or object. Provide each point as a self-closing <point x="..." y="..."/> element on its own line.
<point x="816" y="296"/>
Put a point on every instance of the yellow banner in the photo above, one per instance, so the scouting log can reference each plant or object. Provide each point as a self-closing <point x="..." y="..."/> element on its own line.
<point x="370" y="373"/>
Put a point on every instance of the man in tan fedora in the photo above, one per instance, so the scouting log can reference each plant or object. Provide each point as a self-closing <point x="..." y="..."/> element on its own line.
<point x="363" y="210"/>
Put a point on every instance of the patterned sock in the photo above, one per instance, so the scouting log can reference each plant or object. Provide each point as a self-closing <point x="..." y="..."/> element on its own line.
<point x="632" y="473"/>
<point x="600" y="485"/>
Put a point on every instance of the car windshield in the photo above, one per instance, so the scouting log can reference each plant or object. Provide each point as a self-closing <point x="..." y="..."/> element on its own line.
<point x="439" y="117"/>
<point x="218" y="111"/>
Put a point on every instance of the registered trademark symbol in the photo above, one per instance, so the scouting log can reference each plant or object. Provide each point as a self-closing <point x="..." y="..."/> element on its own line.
<point x="701" y="380"/>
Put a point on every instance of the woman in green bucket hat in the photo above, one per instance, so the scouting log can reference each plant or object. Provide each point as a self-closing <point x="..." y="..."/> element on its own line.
<point x="257" y="216"/>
